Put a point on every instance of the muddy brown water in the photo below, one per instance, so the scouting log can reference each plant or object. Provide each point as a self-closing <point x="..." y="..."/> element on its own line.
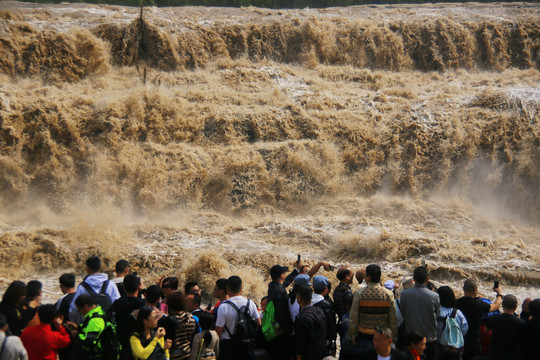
<point x="206" y="142"/>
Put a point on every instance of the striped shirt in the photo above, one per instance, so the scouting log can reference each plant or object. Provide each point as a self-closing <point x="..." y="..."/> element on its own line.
<point x="181" y="346"/>
<point x="373" y="306"/>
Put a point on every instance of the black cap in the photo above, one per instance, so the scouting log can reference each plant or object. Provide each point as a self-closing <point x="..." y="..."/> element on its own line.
<point x="277" y="270"/>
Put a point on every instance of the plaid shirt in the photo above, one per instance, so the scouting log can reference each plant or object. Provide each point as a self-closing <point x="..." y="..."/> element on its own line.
<point x="342" y="293"/>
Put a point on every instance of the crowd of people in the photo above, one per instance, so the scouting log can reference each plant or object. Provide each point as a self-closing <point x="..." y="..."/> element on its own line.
<point x="301" y="318"/>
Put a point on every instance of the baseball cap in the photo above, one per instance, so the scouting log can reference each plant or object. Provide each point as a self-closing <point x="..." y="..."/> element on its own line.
<point x="389" y="284"/>
<point x="302" y="279"/>
<point x="277" y="270"/>
<point x="320" y="282"/>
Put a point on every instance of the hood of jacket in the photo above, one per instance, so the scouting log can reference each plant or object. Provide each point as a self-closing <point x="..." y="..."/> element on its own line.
<point x="96" y="281"/>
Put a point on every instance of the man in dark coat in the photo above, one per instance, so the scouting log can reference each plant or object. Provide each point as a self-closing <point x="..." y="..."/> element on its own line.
<point x="503" y="331"/>
<point x="382" y="346"/>
<point x="321" y="289"/>
<point x="309" y="327"/>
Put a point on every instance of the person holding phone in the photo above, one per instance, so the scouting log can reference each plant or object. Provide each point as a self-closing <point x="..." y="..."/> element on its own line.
<point x="145" y="342"/>
<point x="473" y="308"/>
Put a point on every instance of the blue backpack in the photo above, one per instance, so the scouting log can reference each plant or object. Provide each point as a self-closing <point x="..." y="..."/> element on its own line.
<point x="451" y="334"/>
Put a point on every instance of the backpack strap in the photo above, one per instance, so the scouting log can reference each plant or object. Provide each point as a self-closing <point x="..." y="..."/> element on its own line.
<point x="104" y="287"/>
<point x="88" y="288"/>
<point x="3" y="346"/>
<point x="454" y="312"/>
<point x="237" y="312"/>
<point x="92" y="292"/>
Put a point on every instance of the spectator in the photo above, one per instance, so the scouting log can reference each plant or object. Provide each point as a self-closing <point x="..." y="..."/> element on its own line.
<point x="264" y="303"/>
<point x="431" y="286"/>
<point x="228" y="317"/>
<point x="302" y="279"/>
<point x="342" y="294"/>
<point x="527" y="335"/>
<point x="321" y="289"/>
<point x="11" y="307"/>
<point x="88" y="333"/>
<point x="382" y="347"/>
<point x="280" y="347"/>
<point x="347" y="351"/>
<point x="420" y="308"/>
<point x="93" y="282"/>
<point x="448" y="306"/>
<point x="34" y="289"/>
<point x="406" y="283"/>
<point x="474" y="309"/>
<point x="121" y="269"/>
<point x="360" y="275"/>
<point x="153" y="296"/>
<point x="193" y="304"/>
<point x="146" y="342"/>
<point x="309" y="327"/>
<point x="205" y="343"/>
<point x="220" y="292"/>
<point x="192" y="288"/>
<point x="40" y="341"/>
<point x="390" y="285"/>
<point x="168" y="285"/>
<point x="503" y="331"/>
<point x="373" y="306"/>
<point x="416" y="344"/>
<point x="67" y="286"/>
<point x="294" y="307"/>
<point x="12" y="347"/>
<point x="525" y="314"/>
<point x="124" y="307"/>
<point x="183" y="326"/>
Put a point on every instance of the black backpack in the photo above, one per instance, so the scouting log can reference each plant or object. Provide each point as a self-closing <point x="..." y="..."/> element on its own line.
<point x="245" y="335"/>
<point x="101" y="299"/>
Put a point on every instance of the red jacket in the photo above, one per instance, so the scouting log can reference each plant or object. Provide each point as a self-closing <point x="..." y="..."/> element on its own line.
<point x="42" y="343"/>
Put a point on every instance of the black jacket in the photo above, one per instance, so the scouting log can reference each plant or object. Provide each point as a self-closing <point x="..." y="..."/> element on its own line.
<point x="125" y="322"/>
<point x="331" y="328"/>
<point x="278" y="294"/>
<point x="310" y="333"/>
<point x="17" y="319"/>
<point x="503" y="340"/>
<point x="371" y="354"/>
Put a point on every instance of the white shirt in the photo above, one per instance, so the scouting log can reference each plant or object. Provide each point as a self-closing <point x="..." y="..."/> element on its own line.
<point x="294" y="309"/>
<point x="379" y="357"/>
<point x="228" y="316"/>
<point x="315" y="298"/>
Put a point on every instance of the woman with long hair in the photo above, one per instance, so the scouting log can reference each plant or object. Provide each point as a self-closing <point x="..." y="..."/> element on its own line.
<point x="449" y="308"/>
<point x="147" y="343"/>
<point x="12" y="307"/>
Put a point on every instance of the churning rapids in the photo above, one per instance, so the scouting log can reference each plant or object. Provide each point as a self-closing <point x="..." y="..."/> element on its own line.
<point x="202" y="142"/>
